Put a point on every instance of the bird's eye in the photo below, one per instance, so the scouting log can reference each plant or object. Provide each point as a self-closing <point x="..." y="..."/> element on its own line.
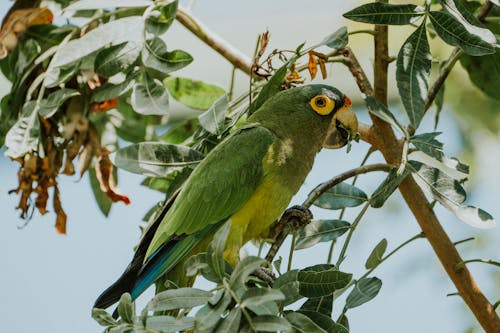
<point x="322" y="104"/>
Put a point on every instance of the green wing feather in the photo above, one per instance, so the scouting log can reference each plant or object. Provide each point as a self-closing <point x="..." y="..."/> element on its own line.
<point x="219" y="186"/>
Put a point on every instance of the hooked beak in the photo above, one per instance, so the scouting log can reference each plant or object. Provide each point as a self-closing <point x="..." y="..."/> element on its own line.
<point x="343" y="128"/>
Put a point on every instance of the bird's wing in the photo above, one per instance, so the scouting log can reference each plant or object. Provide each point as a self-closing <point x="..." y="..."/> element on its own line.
<point x="220" y="185"/>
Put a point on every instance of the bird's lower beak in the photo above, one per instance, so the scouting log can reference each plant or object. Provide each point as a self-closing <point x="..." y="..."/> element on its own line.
<point x="343" y="128"/>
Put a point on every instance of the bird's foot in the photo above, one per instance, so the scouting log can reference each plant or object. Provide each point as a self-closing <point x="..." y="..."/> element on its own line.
<point x="296" y="216"/>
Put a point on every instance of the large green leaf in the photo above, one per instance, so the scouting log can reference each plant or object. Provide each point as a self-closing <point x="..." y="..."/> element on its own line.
<point x="267" y="323"/>
<point x="103" y="201"/>
<point x="156" y="56"/>
<point x="336" y="40"/>
<point x="168" y="324"/>
<point x="155" y="158"/>
<point x="364" y="290"/>
<point x="210" y="314"/>
<point x="340" y="196"/>
<point x="192" y="93"/>
<point x="258" y="296"/>
<point x="243" y="270"/>
<point x="116" y="59"/>
<point x="484" y="72"/>
<point x="212" y="120"/>
<point x="179" y="298"/>
<point x="126" y="308"/>
<point x="320" y="280"/>
<point x="325" y="322"/>
<point x="375" y="257"/>
<point x="158" y="21"/>
<point x="412" y="74"/>
<point x="427" y="143"/>
<point x="382" y="13"/>
<point x="323" y="304"/>
<point x="381" y="111"/>
<point x="50" y="105"/>
<point x="98" y="4"/>
<point x="127" y="29"/>
<point x="454" y="33"/>
<point x="387" y="187"/>
<point x="302" y="323"/>
<point x="231" y="323"/>
<point x="272" y="87"/>
<point x="320" y="231"/>
<point x="110" y="90"/>
<point x="23" y="136"/>
<point x="150" y="97"/>
<point x="451" y="195"/>
<point x="215" y="258"/>
<point x="288" y="283"/>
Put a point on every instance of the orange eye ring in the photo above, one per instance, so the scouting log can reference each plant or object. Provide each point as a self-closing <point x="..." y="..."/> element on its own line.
<point x="322" y="104"/>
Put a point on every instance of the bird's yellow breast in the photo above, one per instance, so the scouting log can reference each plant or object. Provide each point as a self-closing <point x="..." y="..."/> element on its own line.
<point x="253" y="220"/>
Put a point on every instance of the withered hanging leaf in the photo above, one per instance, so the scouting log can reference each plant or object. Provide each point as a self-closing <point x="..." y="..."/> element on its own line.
<point x="312" y="65"/>
<point x="17" y="23"/>
<point x="61" y="215"/>
<point x="104" y="173"/>
<point x="322" y="67"/>
<point x="90" y="149"/>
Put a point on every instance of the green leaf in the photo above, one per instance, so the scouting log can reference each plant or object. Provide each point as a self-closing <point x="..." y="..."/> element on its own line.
<point x="103" y="317"/>
<point x="102" y="200"/>
<point x="387" y="187"/>
<point x="116" y="59"/>
<point x="451" y="195"/>
<point x="484" y="72"/>
<point x="267" y="308"/>
<point x="450" y="166"/>
<point x="412" y="74"/>
<point x="272" y="87"/>
<point x="320" y="231"/>
<point x="150" y="97"/>
<point x="382" y="13"/>
<point x="212" y="120"/>
<point x="322" y="305"/>
<point x="377" y="254"/>
<point x="458" y="9"/>
<point x="110" y="90"/>
<point x="318" y="282"/>
<point x="155" y="158"/>
<point x="336" y="40"/>
<point x="23" y="135"/>
<point x="231" y="323"/>
<point x="169" y="324"/>
<point x="158" y="21"/>
<point x="288" y="283"/>
<point x="199" y="263"/>
<point x="180" y="298"/>
<point x="192" y="93"/>
<point x="268" y="323"/>
<point x="50" y="105"/>
<point x="364" y="290"/>
<point x="209" y="315"/>
<point x="215" y="250"/>
<point x="343" y="321"/>
<point x="455" y="34"/>
<point x="127" y="29"/>
<point x="325" y="322"/>
<point x="258" y="296"/>
<point x="156" y="56"/>
<point x="302" y="323"/>
<point x="97" y="4"/>
<point x="126" y="308"/>
<point x="340" y="196"/>
<point x="243" y="270"/>
<point x="427" y="143"/>
<point x="381" y="111"/>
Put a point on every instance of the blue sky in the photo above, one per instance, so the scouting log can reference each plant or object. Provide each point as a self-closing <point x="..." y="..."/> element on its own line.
<point x="49" y="282"/>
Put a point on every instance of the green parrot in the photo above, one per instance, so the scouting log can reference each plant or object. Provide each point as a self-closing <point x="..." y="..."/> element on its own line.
<point x="248" y="179"/>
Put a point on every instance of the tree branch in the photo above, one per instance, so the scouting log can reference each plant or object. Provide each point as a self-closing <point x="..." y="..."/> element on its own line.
<point x="217" y="43"/>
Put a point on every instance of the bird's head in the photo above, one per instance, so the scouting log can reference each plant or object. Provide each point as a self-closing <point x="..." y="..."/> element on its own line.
<point x="331" y="105"/>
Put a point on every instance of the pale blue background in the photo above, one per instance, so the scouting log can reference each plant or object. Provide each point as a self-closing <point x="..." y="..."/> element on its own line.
<point x="49" y="282"/>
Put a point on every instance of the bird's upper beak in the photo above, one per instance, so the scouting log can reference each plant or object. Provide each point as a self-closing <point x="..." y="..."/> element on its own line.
<point x="343" y="128"/>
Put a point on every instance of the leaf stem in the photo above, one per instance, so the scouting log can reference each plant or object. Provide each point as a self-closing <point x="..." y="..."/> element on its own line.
<point x="462" y="264"/>
<point x="290" y="254"/>
<point x="318" y="191"/>
<point x="349" y="235"/>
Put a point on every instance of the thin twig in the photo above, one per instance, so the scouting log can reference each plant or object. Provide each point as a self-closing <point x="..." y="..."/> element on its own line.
<point x="349" y="235"/>
<point x="462" y="264"/>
